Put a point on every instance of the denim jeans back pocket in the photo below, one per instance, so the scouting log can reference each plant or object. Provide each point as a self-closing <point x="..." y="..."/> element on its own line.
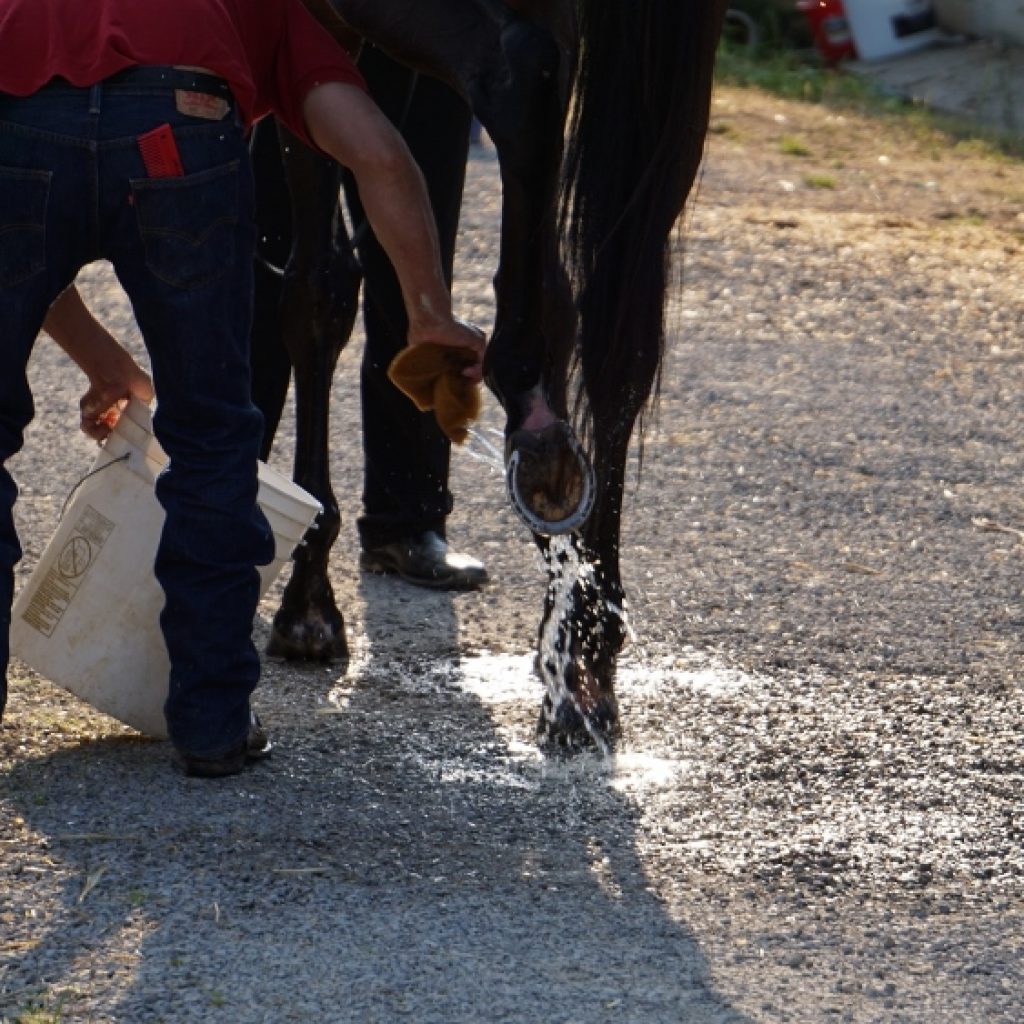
<point x="188" y="224"/>
<point x="24" y="195"/>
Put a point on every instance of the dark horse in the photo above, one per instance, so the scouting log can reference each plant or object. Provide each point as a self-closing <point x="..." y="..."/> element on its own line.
<point x="598" y="111"/>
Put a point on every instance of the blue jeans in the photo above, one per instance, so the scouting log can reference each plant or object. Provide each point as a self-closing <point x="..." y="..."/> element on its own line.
<point x="74" y="189"/>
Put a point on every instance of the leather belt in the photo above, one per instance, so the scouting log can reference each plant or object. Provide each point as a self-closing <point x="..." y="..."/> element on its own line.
<point x="190" y="79"/>
<point x="160" y="77"/>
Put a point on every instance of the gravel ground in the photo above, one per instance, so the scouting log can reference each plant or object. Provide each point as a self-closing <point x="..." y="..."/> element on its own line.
<point x="815" y="814"/>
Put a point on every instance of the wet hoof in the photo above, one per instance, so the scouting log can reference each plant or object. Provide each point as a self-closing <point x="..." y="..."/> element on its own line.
<point x="565" y="730"/>
<point x="316" y="638"/>
<point x="550" y="480"/>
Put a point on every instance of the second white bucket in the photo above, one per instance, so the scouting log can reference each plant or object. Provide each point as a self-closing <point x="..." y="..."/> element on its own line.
<point x="88" y="617"/>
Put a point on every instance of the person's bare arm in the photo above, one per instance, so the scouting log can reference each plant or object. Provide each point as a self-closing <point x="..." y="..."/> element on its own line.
<point x="113" y="375"/>
<point x="344" y="122"/>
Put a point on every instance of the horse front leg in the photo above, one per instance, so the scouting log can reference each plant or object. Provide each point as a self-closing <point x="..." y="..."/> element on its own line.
<point x="318" y="308"/>
<point x="583" y="626"/>
<point x="513" y="60"/>
<point x="585" y="623"/>
<point x="527" y="366"/>
<point x="549" y="477"/>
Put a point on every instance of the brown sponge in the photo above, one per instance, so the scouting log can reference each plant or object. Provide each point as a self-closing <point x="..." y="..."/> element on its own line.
<point x="431" y="375"/>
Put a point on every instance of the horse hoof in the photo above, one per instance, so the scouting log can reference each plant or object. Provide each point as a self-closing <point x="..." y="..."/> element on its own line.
<point x="550" y="479"/>
<point x="303" y="641"/>
<point x="565" y="731"/>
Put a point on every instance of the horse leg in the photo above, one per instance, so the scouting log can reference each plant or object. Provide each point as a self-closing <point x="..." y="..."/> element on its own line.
<point x="549" y="477"/>
<point x="271" y="366"/>
<point x="631" y="164"/>
<point x="319" y="301"/>
<point x="584" y="624"/>
<point x="636" y="142"/>
<point x="516" y="72"/>
<point x="517" y="75"/>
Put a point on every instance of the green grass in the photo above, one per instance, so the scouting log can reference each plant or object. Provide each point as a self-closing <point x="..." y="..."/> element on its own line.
<point x="787" y="74"/>
<point x="792" y="75"/>
<point x="790" y="145"/>
<point x="820" y="181"/>
<point x="40" y="1015"/>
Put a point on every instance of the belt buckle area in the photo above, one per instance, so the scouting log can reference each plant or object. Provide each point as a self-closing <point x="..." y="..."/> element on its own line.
<point x="197" y="70"/>
<point x="207" y="100"/>
<point x="206" y="105"/>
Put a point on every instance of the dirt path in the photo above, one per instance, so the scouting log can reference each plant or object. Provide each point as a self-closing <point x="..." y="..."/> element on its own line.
<point x="815" y="814"/>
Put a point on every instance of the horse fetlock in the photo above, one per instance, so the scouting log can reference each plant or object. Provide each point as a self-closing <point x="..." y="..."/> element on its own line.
<point x="311" y="555"/>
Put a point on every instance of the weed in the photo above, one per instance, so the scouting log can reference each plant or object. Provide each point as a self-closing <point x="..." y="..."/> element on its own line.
<point x="824" y="181"/>
<point x="40" y="1014"/>
<point x="790" y="145"/>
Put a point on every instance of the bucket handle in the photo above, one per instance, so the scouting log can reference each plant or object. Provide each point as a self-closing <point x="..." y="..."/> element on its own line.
<point x="92" y="472"/>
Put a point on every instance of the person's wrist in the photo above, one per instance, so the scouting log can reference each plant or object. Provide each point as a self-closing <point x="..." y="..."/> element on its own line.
<point x="427" y="327"/>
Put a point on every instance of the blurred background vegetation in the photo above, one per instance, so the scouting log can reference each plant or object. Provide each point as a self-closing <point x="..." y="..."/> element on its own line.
<point x="769" y="44"/>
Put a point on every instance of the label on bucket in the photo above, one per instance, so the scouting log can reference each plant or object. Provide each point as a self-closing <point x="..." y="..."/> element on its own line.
<point x="57" y="589"/>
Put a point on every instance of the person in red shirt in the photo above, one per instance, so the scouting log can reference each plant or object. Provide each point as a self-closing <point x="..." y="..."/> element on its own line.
<point x="123" y="136"/>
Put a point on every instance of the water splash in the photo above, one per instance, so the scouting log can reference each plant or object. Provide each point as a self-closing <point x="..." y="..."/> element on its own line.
<point x="569" y="574"/>
<point x="499" y="681"/>
<point x="644" y="673"/>
<point x="498" y="678"/>
<point x="481" y="448"/>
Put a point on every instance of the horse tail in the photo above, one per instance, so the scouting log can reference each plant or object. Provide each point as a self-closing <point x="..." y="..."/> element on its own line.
<point x="634" y="147"/>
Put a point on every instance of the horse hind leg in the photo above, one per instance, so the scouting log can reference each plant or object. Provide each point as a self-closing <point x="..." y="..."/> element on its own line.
<point x="630" y="167"/>
<point x="318" y="308"/>
<point x="513" y="62"/>
<point x="271" y="366"/>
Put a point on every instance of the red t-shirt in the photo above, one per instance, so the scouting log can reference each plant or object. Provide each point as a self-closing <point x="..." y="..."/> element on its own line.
<point x="271" y="52"/>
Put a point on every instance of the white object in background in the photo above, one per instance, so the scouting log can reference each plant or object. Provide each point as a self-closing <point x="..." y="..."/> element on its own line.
<point x="885" y="28"/>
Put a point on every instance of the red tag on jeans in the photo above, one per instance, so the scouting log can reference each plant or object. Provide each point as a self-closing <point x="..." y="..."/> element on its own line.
<point x="160" y="153"/>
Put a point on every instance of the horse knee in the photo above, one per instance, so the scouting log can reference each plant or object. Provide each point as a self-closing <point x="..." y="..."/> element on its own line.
<point x="531" y="52"/>
<point x="521" y="93"/>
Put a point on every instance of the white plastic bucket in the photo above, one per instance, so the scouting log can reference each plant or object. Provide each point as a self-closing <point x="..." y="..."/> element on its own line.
<point x="88" y="617"/>
<point x="885" y="28"/>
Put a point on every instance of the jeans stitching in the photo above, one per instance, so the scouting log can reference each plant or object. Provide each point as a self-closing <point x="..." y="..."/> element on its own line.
<point x="37" y="264"/>
<point x="156" y="236"/>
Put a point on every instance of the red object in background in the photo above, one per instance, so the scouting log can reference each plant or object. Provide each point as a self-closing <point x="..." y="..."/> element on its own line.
<point x="829" y="27"/>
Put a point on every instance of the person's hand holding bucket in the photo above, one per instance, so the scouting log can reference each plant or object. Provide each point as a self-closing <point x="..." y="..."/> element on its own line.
<point x="101" y="406"/>
<point x="114" y="376"/>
